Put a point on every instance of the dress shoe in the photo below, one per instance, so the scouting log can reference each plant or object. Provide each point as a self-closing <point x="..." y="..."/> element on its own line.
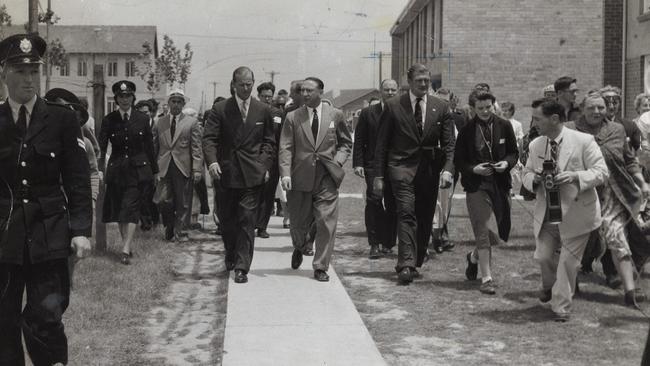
<point x="561" y="317"/>
<point x="545" y="297"/>
<point x="125" y="258"/>
<point x="630" y="299"/>
<point x="447" y="246"/>
<point x="308" y="252"/>
<point x="613" y="281"/>
<point x="196" y="226"/>
<point x="405" y="276"/>
<point x="639" y="295"/>
<point x="240" y="276"/>
<point x="261" y="233"/>
<point x="437" y="246"/>
<point x="218" y="231"/>
<point x="296" y="259"/>
<point x="321" y="275"/>
<point x="586" y="268"/>
<point x="374" y="252"/>
<point x="181" y="238"/>
<point x="386" y="250"/>
<point x="415" y="274"/>
<point x="488" y="288"/>
<point x="169" y="233"/>
<point x="286" y="226"/>
<point x="472" y="268"/>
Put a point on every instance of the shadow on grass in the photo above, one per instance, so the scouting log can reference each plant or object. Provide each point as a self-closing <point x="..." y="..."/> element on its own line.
<point x="534" y="314"/>
<point x="621" y="320"/>
<point x="600" y="297"/>
<point x="517" y="248"/>
<point x="384" y="275"/>
<point x="521" y="296"/>
<point x="460" y="285"/>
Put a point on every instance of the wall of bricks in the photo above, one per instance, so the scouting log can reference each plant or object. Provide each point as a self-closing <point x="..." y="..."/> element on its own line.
<point x="633" y="84"/>
<point x="613" y="42"/>
<point x="637" y="46"/>
<point x="519" y="52"/>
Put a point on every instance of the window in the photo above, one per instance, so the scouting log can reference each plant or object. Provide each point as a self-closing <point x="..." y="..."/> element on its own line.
<point x="129" y="69"/>
<point x="112" y="68"/>
<point x="82" y="68"/>
<point x="645" y="6"/>
<point x="64" y="69"/>
<point x="110" y="106"/>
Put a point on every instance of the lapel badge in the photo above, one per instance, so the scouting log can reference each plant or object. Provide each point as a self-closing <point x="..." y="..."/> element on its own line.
<point x="26" y="45"/>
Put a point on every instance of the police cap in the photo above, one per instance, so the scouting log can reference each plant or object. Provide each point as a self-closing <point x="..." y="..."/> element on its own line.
<point x="22" y="49"/>
<point x="124" y="87"/>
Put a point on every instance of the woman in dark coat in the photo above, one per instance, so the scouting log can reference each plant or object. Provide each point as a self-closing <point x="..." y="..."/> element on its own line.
<point x="131" y="166"/>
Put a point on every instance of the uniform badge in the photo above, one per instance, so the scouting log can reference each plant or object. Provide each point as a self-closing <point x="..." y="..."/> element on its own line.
<point x="123" y="87"/>
<point x="277" y="120"/>
<point x="26" y="45"/>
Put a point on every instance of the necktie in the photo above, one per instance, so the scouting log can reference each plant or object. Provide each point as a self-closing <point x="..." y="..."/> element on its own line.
<point x="314" y="125"/>
<point x="554" y="150"/>
<point x="126" y="118"/>
<point x="172" y="129"/>
<point x="244" y="110"/>
<point x="487" y="133"/>
<point x="418" y="115"/>
<point x="22" y="120"/>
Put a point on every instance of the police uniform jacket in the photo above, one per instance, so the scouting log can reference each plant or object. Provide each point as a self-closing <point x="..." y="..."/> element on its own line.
<point x="132" y="159"/>
<point x="45" y="195"/>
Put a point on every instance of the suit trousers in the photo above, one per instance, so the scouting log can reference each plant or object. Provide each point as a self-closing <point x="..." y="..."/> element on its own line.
<point x="237" y="211"/>
<point x="559" y="262"/>
<point x="319" y="206"/>
<point x="380" y="216"/>
<point x="415" y="204"/>
<point x="48" y="292"/>
<point x="176" y="210"/>
<point x="267" y="199"/>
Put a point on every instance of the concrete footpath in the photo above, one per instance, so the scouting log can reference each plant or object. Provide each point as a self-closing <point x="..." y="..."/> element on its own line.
<point x="285" y="317"/>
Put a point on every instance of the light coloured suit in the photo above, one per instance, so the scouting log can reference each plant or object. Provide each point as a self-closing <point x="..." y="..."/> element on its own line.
<point x="316" y="172"/>
<point x="580" y="211"/>
<point x="178" y="158"/>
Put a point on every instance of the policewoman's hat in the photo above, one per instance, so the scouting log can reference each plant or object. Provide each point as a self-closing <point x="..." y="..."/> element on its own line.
<point x="22" y="49"/>
<point x="123" y="87"/>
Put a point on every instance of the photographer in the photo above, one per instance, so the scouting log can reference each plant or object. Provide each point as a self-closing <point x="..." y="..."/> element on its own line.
<point x="579" y="168"/>
<point x="486" y="151"/>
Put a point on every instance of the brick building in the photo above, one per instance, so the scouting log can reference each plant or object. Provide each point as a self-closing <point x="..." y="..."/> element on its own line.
<point x="637" y="52"/>
<point x="516" y="46"/>
<point x="112" y="51"/>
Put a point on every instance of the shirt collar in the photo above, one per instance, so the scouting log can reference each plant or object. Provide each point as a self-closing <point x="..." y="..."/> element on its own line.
<point x="15" y="106"/>
<point x="128" y="112"/>
<point x="559" y="137"/>
<point x="319" y="110"/>
<point x="239" y="100"/>
<point x="413" y="98"/>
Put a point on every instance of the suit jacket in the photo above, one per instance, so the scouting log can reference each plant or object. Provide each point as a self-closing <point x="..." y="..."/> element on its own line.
<point x="365" y="137"/>
<point x="580" y="206"/>
<point x="299" y="153"/>
<point x="184" y="148"/>
<point x="243" y="149"/>
<point x="505" y="149"/>
<point x="45" y="194"/>
<point x="400" y="148"/>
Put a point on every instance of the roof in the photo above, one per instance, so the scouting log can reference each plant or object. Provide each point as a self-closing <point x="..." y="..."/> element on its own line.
<point x="410" y="11"/>
<point x="97" y="38"/>
<point x="348" y="96"/>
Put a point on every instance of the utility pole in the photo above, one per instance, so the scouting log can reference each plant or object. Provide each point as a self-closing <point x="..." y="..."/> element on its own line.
<point x="214" y="90"/>
<point x="272" y="73"/>
<point x="47" y="41"/>
<point x="381" y="61"/>
<point x="33" y="16"/>
<point x="378" y="55"/>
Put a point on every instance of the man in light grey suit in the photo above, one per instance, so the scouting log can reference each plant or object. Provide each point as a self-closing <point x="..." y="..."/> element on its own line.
<point x="314" y="144"/>
<point x="580" y="168"/>
<point x="177" y="142"/>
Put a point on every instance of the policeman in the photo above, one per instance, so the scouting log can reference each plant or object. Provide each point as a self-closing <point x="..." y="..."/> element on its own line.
<point x="45" y="208"/>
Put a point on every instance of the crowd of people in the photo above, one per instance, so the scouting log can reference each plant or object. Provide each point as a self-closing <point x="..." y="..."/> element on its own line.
<point x="584" y="165"/>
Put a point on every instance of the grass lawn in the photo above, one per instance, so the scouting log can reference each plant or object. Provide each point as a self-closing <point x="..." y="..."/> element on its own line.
<point x="442" y="319"/>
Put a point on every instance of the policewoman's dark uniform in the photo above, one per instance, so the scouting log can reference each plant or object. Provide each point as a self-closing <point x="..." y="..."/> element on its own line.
<point x="45" y="200"/>
<point x="132" y="164"/>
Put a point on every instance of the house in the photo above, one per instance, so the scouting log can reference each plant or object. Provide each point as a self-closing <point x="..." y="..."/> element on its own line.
<point x="516" y="46"/>
<point x="98" y="52"/>
<point x="636" y="38"/>
<point x="350" y="101"/>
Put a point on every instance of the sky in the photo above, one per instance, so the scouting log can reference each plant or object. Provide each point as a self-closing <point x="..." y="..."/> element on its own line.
<point x="330" y="39"/>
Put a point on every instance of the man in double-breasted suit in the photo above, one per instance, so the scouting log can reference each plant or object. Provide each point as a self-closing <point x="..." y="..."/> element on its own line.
<point x="177" y="142"/>
<point x="412" y="126"/>
<point x="580" y="168"/>
<point x="314" y="144"/>
<point x="238" y="145"/>
<point x="379" y="212"/>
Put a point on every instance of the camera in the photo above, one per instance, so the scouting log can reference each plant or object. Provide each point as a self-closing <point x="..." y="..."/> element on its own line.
<point x="553" y="202"/>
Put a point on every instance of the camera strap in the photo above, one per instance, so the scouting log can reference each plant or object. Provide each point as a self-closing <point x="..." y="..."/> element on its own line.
<point x="485" y="140"/>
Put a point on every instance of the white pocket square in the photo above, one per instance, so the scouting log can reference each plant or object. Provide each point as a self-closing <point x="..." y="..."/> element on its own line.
<point x="502" y="141"/>
<point x="259" y="123"/>
<point x="331" y="124"/>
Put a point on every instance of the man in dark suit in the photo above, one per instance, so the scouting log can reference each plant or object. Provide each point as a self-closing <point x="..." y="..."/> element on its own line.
<point x="238" y="146"/>
<point x="412" y="127"/>
<point x="265" y="93"/>
<point x="45" y="208"/>
<point x="380" y="218"/>
<point x="314" y="144"/>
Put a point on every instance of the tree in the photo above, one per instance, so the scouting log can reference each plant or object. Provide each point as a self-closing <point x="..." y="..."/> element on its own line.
<point x="5" y="19"/>
<point x="169" y="68"/>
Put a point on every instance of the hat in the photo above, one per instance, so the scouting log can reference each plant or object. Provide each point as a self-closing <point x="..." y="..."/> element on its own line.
<point x="67" y="99"/>
<point x="179" y="93"/>
<point x="22" y="49"/>
<point x="123" y="87"/>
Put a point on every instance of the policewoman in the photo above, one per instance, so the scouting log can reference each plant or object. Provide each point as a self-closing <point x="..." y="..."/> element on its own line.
<point x="131" y="166"/>
<point x="45" y="209"/>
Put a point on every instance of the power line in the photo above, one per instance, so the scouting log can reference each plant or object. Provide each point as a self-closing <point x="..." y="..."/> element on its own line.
<point x="274" y="39"/>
